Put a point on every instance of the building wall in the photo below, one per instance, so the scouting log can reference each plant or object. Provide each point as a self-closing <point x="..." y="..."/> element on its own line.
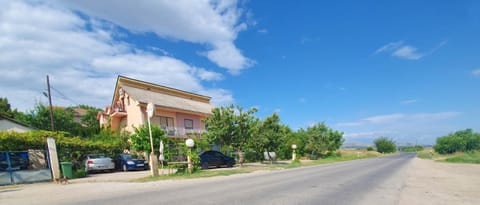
<point x="197" y="120"/>
<point x="136" y="114"/>
<point x="11" y="126"/>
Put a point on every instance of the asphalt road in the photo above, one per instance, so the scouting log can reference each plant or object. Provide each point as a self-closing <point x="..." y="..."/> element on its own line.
<point x="371" y="181"/>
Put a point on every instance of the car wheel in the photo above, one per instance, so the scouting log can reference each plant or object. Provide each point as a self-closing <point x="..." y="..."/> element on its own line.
<point x="124" y="168"/>
<point x="205" y="165"/>
<point x="230" y="164"/>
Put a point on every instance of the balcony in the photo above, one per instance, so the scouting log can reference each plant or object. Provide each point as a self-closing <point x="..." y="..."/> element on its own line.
<point x="118" y="114"/>
<point x="181" y="131"/>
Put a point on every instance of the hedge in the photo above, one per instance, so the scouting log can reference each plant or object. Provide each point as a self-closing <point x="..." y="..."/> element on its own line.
<point x="72" y="149"/>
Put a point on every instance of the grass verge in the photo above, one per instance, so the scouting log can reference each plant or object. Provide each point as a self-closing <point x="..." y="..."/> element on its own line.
<point x="345" y="155"/>
<point x="458" y="157"/>
<point x="468" y="157"/>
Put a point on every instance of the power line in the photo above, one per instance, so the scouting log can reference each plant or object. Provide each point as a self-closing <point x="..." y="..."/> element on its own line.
<point x="64" y="96"/>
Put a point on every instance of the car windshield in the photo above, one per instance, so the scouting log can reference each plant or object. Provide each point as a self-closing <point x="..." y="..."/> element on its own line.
<point x="127" y="157"/>
<point x="96" y="156"/>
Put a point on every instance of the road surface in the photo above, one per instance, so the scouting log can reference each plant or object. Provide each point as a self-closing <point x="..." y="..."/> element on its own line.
<point x="369" y="181"/>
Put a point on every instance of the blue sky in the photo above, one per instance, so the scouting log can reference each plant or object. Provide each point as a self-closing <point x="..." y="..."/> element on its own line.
<point x="407" y="70"/>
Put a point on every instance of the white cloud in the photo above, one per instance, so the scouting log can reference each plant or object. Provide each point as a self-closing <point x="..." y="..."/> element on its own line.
<point x="401" y="50"/>
<point x="368" y="134"/>
<point x="476" y="72"/>
<point x="302" y="100"/>
<point x="39" y="39"/>
<point x="407" y="52"/>
<point x="389" y="47"/>
<point x="215" y="23"/>
<point x="208" y="75"/>
<point x="399" y="118"/>
<point x="263" y="31"/>
<point x="401" y="127"/>
<point x="411" y="101"/>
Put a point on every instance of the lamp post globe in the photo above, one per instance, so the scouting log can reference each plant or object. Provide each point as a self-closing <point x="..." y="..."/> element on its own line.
<point x="294" y="155"/>
<point x="190" y="143"/>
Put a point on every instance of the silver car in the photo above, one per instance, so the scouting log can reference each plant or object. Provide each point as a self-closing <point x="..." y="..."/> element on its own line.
<point x="98" y="162"/>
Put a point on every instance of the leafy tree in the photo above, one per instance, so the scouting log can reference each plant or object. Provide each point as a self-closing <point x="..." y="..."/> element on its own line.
<point x="141" y="138"/>
<point x="6" y="110"/>
<point x="231" y="126"/>
<point x="385" y="145"/>
<point x="322" y="140"/>
<point x="464" y="140"/>
<point x="63" y="119"/>
<point x="270" y="134"/>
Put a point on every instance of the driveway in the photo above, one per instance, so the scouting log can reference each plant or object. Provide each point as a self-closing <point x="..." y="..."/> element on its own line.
<point x="117" y="176"/>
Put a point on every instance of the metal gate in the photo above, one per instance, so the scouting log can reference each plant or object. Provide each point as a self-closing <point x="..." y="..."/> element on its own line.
<point x="24" y="167"/>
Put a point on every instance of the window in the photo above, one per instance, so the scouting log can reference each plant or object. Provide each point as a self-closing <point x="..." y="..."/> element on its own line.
<point x="164" y="122"/>
<point x="188" y="124"/>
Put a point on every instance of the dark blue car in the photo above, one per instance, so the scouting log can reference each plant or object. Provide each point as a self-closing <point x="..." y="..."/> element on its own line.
<point x="126" y="162"/>
<point x="214" y="158"/>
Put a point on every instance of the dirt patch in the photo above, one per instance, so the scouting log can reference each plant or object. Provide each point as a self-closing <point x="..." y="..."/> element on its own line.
<point x="430" y="182"/>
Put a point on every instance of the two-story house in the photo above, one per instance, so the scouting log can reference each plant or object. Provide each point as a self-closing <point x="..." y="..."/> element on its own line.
<point x="178" y="112"/>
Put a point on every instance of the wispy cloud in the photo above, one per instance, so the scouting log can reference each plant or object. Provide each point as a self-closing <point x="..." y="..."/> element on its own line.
<point x="399" y="117"/>
<point x="410" y="101"/>
<point x="401" y="50"/>
<point x="407" y="52"/>
<point x="263" y="31"/>
<point x="476" y="72"/>
<point x="401" y="126"/>
<point x="389" y="47"/>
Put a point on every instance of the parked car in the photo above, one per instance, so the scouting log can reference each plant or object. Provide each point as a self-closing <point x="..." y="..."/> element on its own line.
<point x="99" y="162"/>
<point x="215" y="158"/>
<point x="127" y="162"/>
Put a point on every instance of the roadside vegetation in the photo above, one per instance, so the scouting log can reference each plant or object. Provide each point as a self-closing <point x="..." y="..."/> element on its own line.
<point x="458" y="147"/>
<point x="472" y="157"/>
<point x="385" y="145"/>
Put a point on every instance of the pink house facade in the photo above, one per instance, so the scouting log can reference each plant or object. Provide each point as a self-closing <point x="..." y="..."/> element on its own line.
<point x="180" y="113"/>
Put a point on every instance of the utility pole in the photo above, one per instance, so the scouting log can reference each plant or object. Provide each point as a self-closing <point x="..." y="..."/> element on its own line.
<point x="50" y="102"/>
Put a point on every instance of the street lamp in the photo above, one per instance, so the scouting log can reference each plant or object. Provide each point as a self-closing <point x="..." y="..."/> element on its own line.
<point x="153" y="158"/>
<point x="294" y="155"/>
<point x="190" y="143"/>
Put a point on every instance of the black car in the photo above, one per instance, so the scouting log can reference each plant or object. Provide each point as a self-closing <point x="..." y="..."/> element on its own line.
<point x="127" y="162"/>
<point x="215" y="158"/>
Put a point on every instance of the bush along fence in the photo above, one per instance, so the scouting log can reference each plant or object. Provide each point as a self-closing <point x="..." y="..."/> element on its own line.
<point x="72" y="149"/>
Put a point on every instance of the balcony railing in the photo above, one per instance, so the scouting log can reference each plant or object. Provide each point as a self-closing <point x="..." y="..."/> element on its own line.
<point x="181" y="131"/>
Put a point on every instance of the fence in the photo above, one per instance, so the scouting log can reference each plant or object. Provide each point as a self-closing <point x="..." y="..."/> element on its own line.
<point x="24" y="167"/>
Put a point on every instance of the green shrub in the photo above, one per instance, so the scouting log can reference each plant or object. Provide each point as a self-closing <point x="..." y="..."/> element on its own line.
<point x="73" y="149"/>
<point x="463" y="141"/>
<point x="370" y="149"/>
<point x="468" y="157"/>
<point x="385" y="145"/>
<point x="79" y="173"/>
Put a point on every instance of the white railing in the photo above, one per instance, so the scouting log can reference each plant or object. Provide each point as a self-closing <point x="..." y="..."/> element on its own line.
<point x="181" y="131"/>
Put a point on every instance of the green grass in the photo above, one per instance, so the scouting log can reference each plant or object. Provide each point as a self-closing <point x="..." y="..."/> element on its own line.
<point x="468" y="157"/>
<point x="459" y="157"/>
